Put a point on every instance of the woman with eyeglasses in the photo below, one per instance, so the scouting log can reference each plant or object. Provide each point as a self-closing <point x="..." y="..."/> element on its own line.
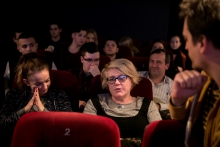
<point x="132" y="114"/>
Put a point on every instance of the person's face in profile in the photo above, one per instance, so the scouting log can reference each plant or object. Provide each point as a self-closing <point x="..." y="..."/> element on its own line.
<point x="40" y="80"/>
<point x="27" y="45"/>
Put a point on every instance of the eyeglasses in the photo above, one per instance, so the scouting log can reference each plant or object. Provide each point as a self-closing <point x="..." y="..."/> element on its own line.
<point x="120" y="78"/>
<point x="91" y="60"/>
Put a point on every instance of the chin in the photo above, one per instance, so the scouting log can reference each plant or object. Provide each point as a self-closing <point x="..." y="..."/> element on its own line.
<point x="118" y="95"/>
<point x="43" y="93"/>
<point x="196" y="67"/>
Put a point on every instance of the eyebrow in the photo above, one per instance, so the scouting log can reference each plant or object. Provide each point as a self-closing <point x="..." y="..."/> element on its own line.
<point x="25" y="45"/>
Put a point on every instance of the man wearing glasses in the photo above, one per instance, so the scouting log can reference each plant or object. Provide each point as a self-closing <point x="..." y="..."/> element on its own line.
<point x="90" y="68"/>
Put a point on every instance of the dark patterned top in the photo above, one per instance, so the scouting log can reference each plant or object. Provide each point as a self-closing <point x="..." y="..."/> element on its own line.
<point x="16" y="100"/>
<point x="84" y="84"/>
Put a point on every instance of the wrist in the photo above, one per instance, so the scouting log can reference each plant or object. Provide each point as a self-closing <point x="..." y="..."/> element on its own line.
<point x="159" y="106"/>
<point x="41" y="108"/>
<point x="176" y="102"/>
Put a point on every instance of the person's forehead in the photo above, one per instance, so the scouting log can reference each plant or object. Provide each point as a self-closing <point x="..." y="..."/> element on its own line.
<point x="81" y="32"/>
<point x="157" y="44"/>
<point x="27" y="40"/>
<point x="175" y="38"/>
<point x="92" y="55"/>
<point x="114" y="70"/>
<point x="158" y="56"/>
<point x="110" y="42"/>
<point x="90" y="34"/>
<point x="54" y="26"/>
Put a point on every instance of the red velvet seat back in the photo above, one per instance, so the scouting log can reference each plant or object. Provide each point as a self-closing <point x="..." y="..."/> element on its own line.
<point x="141" y="63"/>
<point x="103" y="60"/>
<point x="123" y="52"/>
<point x="164" y="133"/>
<point x="143" y="89"/>
<point x="65" y="129"/>
<point x="137" y="43"/>
<point x="66" y="81"/>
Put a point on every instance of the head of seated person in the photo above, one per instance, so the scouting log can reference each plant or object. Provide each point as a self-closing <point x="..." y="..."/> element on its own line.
<point x="90" y="57"/>
<point x="27" y="43"/>
<point x="91" y="36"/>
<point x="128" y="42"/>
<point x="111" y="48"/>
<point x="158" y="44"/>
<point x="132" y="114"/>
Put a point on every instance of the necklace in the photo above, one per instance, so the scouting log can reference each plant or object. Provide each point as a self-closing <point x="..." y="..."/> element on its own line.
<point x="120" y="106"/>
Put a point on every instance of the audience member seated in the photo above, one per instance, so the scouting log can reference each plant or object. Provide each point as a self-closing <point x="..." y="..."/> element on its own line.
<point x="71" y="61"/>
<point x="111" y="48"/>
<point x="56" y="44"/>
<point x="34" y="94"/>
<point x="90" y="57"/>
<point x="26" y="43"/>
<point x="91" y="36"/>
<point x="132" y="114"/>
<point x="53" y="44"/>
<point x="127" y="41"/>
<point x="159" y="62"/>
<point x="179" y="58"/>
<point x="173" y="69"/>
<point x="11" y="57"/>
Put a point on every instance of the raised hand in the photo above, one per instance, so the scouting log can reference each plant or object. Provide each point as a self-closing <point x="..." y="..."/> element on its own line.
<point x="30" y="104"/>
<point x="186" y="84"/>
<point x="37" y="101"/>
<point x="50" y="48"/>
<point x="94" y="70"/>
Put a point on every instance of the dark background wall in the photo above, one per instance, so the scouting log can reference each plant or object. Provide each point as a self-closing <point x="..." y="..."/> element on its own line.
<point x="144" y="20"/>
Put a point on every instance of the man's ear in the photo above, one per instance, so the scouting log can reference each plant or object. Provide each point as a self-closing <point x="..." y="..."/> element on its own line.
<point x="19" y="48"/>
<point x="14" y="39"/>
<point x="204" y="44"/>
<point x="167" y="66"/>
<point x="26" y="82"/>
<point x="81" y="59"/>
<point x="73" y="35"/>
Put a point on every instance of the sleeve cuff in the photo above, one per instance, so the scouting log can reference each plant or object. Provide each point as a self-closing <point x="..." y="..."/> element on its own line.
<point x="180" y="112"/>
<point x="21" y="112"/>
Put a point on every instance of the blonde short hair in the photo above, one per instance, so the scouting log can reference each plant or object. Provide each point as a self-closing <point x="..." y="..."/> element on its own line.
<point x="123" y="65"/>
